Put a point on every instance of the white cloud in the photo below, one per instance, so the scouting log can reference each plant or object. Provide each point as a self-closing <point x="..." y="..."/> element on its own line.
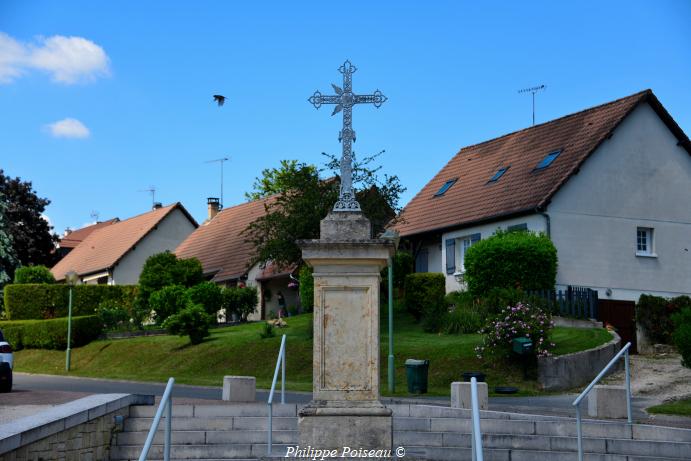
<point x="68" y="59"/>
<point x="68" y="128"/>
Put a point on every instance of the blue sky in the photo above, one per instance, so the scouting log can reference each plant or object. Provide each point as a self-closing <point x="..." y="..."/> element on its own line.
<point x="137" y="79"/>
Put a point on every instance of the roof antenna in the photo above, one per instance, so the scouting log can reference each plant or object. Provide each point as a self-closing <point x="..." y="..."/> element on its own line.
<point x="152" y="191"/>
<point x="533" y="90"/>
<point x="221" y="161"/>
<point x="94" y="215"/>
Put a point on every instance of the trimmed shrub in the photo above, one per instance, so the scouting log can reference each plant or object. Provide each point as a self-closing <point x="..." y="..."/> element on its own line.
<point x="521" y="320"/>
<point x="51" y="334"/>
<point x="45" y="301"/>
<point x="464" y="320"/>
<point x="33" y="274"/>
<point x="113" y="316"/>
<point x="306" y="289"/>
<point x="424" y="299"/>
<point x="267" y="331"/>
<point x="168" y="301"/>
<point x="682" y="335"/>
<point x="209" y="295"/>
<point x="161" y="270"/>
<point x="192" y="321"/>
<point x="522" y="260"/>
<point x="240" y="301"/>
<point x="654" y="315"/>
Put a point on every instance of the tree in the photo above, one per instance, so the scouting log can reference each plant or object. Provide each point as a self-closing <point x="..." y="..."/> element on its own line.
<point x="33" y="241"/>
<point x="302" y="200"/>
<point x="33" y="274"/>
<point x="8" y="259"/>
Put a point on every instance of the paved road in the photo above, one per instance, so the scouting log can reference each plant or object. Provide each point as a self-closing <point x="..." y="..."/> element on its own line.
<point x="547" y="405"/>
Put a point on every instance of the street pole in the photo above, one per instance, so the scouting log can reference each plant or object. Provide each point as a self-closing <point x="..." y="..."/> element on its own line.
<point x="69" y="332"/>
<point x="392" y="380"/>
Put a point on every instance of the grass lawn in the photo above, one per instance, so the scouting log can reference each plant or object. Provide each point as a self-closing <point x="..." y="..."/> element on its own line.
<point x="680" y="407"/>
<point x="240" y="351"/>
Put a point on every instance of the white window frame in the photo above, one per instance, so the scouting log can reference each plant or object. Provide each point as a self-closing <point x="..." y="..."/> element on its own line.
<point x="645" y="235"/>
<point x="462" y="245"/>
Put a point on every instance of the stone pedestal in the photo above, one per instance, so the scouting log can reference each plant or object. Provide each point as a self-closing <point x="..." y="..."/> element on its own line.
<point x="345" y="410"/>
<point x="239" y="388"/>
<point x="461" y="395"/>
<point x="607" y="402"/>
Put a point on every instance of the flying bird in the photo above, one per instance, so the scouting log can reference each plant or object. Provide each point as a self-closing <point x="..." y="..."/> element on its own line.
<point x="219" y="99"/>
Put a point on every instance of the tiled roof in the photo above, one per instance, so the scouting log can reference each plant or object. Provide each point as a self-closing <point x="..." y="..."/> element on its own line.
<point x="472" y="199"/>
<point x="76" y="237"/>
<point x="104" y="247"/>
<point x="219" y="243"/>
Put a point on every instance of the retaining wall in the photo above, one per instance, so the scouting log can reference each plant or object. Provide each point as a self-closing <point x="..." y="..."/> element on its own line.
<point x="79" y="430"/>
<point x="564" y="372"/>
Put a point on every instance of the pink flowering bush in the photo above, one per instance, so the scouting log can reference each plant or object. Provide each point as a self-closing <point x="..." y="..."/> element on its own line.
<point x="521" y="320"/>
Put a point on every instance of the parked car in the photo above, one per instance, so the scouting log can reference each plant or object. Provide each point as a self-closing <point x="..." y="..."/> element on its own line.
<point x="6" y="363"/>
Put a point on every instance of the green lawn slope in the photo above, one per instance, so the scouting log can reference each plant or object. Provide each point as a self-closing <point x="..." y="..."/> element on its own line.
<point x="239" y="350"/>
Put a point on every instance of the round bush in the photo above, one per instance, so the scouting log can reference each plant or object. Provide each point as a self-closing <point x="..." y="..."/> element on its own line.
<point x="192" y="321"/>
<point x="209" y="295"/>
<point x="522" y="260"/>
<point x="168" y="301"/>
<point x="33" y="274"/>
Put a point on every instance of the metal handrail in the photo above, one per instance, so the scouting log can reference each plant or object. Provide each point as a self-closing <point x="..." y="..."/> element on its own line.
<point x="167" y="404"/>
<point x="280" y="363"/>
<point x="576" y="403"/>
<point x="476" y="438"/>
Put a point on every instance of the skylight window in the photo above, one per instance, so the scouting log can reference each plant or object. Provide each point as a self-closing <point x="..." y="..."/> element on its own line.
<point x="547" y="161"/>
<point x="498" y="174"/>
<point x="447" y="185"/>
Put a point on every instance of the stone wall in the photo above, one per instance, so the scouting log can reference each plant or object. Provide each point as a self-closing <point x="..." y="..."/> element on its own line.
<point x="79" y="430"/>
<point x="578" y="369"/>
<point x="84" y="442"/>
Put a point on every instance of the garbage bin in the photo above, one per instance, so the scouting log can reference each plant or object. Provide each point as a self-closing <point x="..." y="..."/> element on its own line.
<point x="416" y="372"/>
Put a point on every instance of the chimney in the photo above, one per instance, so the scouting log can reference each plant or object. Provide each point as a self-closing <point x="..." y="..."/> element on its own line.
<point x="157" y="205"/>
<point x="213" y="206"/>
<point x="68" y="231"/>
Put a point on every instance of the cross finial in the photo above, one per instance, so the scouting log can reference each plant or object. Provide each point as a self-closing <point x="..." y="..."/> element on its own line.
<point x="344" y="100"/>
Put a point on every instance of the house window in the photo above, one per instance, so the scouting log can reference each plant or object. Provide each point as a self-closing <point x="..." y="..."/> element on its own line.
<point x="462" y="245"/>
<point x="644" y="241"/>
<point x="500" y="172"/>
<point x="518" y="227"/>
<point x="547" y="161"/>
<point x="446" y="186"/>
<point x="422" y="261"/>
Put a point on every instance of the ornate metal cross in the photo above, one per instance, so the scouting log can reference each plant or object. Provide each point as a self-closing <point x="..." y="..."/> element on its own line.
<point x="345" y="99"/>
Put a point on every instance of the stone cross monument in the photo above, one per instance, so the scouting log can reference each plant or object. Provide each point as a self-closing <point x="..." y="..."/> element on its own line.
<point x="345" y="410"/>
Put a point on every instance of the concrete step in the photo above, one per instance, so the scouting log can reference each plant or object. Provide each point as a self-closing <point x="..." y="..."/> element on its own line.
<point x="218" y="410"/>
<point x="208" y="437"/>
<point x="672" y="450"/>
<point x="225" y="451"/>
<point x="280" y="423"/>
<point x="463" y="454"/>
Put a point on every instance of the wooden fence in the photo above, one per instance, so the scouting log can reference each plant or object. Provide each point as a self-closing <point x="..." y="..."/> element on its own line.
<point x="577" y="302"/>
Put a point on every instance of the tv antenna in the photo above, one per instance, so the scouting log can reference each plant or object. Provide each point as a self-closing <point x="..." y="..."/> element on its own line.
<point x="533" y="90"/>
<point x="94" y="215"/>
<point x="221" y="161"/>
<point x="152" y="191"/>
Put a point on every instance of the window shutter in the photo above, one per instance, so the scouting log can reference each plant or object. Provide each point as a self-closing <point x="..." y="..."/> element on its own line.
<point x="474" y="239"/>
<point x="450" y="256"/>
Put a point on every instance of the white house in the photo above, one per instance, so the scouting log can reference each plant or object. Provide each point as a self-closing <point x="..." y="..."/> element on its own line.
<point x="115" y="254"/>
<point x="611" y="186"/>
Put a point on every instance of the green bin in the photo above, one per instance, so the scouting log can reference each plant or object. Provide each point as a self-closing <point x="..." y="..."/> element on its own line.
<point x="416" y="372"/>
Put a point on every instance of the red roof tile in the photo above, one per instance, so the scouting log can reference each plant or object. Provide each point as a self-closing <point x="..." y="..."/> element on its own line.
<point x="219" y="243"/>
<point x="473" y="199"/>
<point x="76" y="237"/>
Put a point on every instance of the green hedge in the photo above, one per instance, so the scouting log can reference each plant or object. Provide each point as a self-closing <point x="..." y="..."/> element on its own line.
<point x="424" y="299"/>
<point x="306" y="289"/>
<point x="50" y="334"/>
<point x="46" y="301"/>
<point x="522" y="260"/>
<point x="654" y="315"/>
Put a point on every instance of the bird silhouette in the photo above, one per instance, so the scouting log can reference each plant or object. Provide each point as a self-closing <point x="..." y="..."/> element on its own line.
<point x="219" y="99"/>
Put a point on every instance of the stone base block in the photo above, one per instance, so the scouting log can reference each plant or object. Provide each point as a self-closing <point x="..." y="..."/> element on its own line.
<point x="356" y="432"/>
<point x="460" y="395"/>
<point x="239" y="388"/>
<point x="607" y="402"/>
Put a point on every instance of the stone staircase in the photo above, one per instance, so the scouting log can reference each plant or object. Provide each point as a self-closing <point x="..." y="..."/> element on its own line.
<point x="238" y="431"/>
